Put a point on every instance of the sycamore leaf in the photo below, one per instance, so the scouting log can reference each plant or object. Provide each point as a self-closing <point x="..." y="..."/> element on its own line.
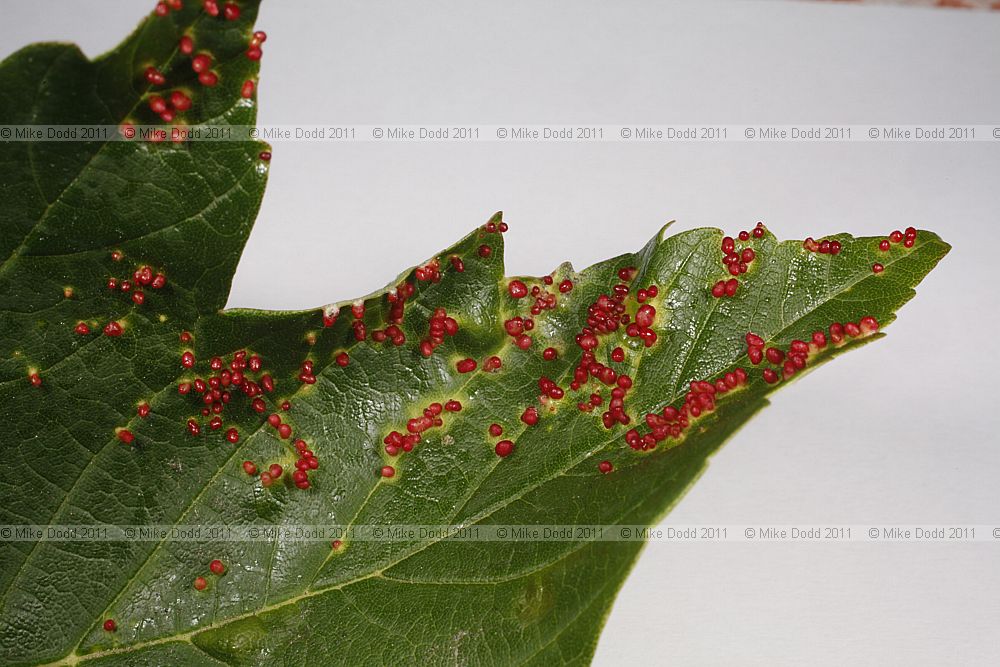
<point x="81" y="448"/>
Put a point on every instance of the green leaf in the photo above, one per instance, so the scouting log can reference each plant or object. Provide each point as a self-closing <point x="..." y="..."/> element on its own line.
<point x="186" y="210"/>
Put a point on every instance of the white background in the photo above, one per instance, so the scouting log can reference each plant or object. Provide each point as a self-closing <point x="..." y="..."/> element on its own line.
<point x="904" y="431"/>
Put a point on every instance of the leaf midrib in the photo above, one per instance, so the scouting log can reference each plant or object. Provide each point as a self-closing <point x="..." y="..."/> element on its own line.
<point x="379" y="574"/>
<point x="97" y="337"/>
<point x="488" y="511"/>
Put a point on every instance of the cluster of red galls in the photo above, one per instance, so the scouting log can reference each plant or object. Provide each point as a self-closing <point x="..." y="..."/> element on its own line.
<point x="736" y="260"/>
<point x="491" y="364"/>
<point x="544" y="299"/>
<point x="529" y="417"/>
<point x="306" y="463"/>
<point x="485" y="250"/>
<point x="397" y="442"/>
<point x="503" y="448"/>
<point x="907" y="238"/>
<point x="230" y="10"/>
<point x="429" y="272"/>
<point x="178" y="101"/>
<point x="791" y="361"/>
<point x="217" y="568"/>
<point x="604" y="316"/>
<point x="306" y="372"/>
<point x="589" y="368"/>
<point x="672" y="422"/>
<point x="607" y="313"/>
<point x="439" y="326"/>
<point x="215" y="391"/>
<point x="516" y="328"/>
<point x="397" y="305"/>
<point x="824" y="247"/>
<point x="495" y="227"/>
<point x="144" y="276"/>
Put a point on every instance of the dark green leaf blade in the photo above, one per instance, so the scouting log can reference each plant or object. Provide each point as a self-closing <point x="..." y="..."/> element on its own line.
<point x="188" y="211"/>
